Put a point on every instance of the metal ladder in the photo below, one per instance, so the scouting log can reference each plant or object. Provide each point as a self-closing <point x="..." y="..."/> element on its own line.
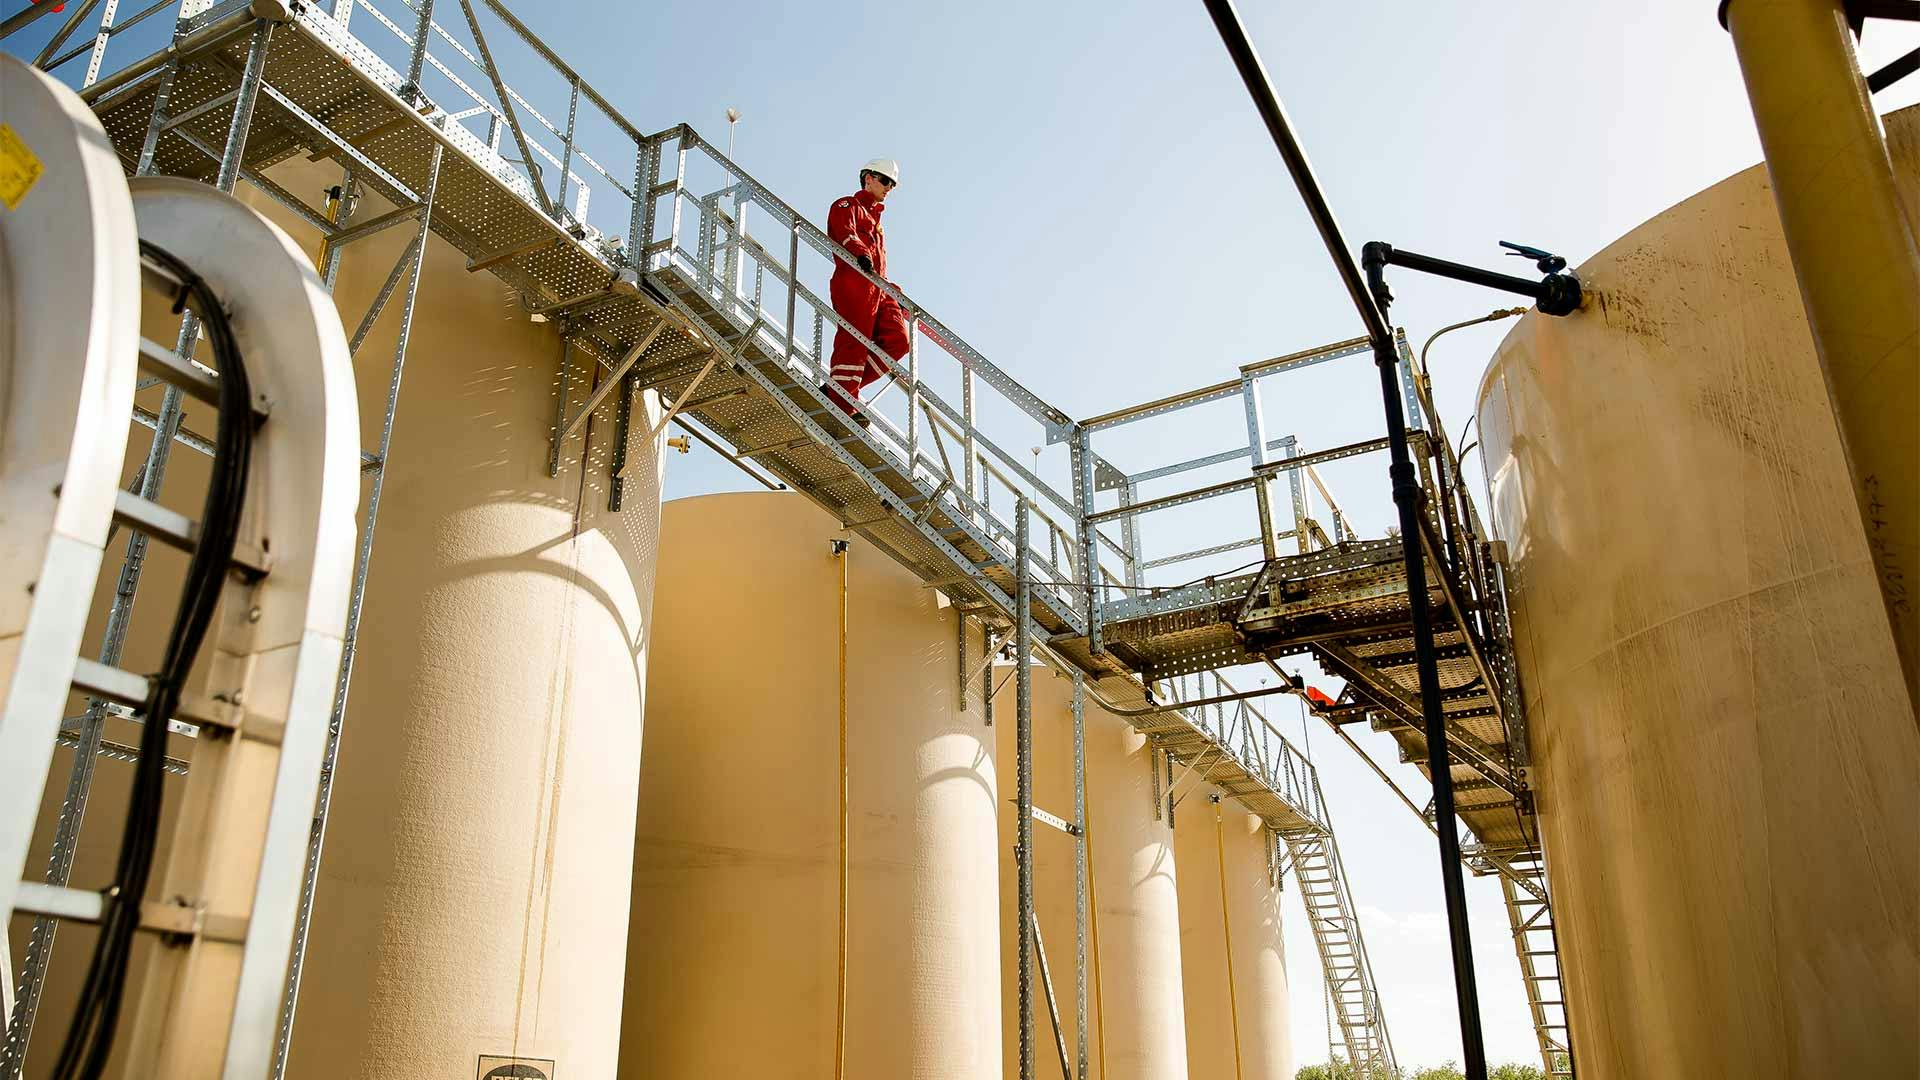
<point x="230" y="883"/>
<point x="1343" y="953"/>
<point x="1530" y="916"/>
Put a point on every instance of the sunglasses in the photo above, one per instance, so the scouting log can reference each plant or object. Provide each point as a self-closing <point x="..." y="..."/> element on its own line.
<point x="885" y="181"/>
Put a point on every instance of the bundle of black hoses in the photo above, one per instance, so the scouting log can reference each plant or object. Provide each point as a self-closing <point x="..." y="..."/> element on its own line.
<point x="90" y="1038"/>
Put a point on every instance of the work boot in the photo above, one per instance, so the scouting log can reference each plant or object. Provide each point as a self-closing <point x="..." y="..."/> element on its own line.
<point x="832" y="392"/>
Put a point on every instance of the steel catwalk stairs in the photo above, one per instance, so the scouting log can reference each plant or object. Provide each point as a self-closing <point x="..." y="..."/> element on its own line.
<point x="704" y="314"/>
<point x="1530" y="917"/>
<point x="1354" y="997"/>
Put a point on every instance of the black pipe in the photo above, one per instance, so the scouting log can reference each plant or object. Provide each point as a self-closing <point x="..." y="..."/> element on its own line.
<point x="1894" y="72"/>
<point x="1254" y="74"/>
<point x="1407" y="497"/>
<point x="1557" y="294"/>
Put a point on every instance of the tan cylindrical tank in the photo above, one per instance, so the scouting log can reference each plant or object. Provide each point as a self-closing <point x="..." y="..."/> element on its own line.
<point x="732" y="966"/>
<point x="1136" y="1028"/>
<point x="1233" y="962"/>
<point x="1725" y="760"/>
<point x="1136" y="907"/>
<point x="473" y="892"/>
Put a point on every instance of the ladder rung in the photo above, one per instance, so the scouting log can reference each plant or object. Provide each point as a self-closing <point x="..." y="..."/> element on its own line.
<point x="110" y="683"/>
<point x="158" y="360"/>
<point x="176" y="530"/>
<point x="59" y="901"/>
<point x="192" y="379"/>
<point x="195" y="711"/>
<point x="189" y="727"/>
<point x="80" y="905"/>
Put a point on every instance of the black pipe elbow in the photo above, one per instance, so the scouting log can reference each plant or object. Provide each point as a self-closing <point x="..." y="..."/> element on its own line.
<point x="1374" y="257"/>
<point x="1560" y="294"/>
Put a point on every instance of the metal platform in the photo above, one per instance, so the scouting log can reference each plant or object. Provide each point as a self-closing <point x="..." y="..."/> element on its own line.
<point x="679" y="273"/>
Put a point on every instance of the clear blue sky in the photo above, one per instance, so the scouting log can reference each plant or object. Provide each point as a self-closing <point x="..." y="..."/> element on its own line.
<point x="1089" y="199"/>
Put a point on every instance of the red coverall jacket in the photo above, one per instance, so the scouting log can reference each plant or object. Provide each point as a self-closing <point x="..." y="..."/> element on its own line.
<point x="854" y="223"/>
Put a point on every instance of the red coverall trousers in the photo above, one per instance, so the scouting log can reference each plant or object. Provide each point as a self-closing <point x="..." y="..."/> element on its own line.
<point x="854" y="223"/>
<point x="874" y="314"/>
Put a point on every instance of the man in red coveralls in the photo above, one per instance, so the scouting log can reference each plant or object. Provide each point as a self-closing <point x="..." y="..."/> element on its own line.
<point x="854" y="224"/>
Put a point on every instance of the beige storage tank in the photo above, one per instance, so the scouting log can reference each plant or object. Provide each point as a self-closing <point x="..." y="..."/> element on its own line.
<point x="1231" y="955"/>
<point x="472" y="898"/>
<point x="1724" y="755"/>
<point x="732" y="966"/>
<point x="1136" y="1028"/>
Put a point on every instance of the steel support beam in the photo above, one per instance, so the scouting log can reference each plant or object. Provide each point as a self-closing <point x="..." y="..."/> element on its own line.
<point x="1081" y="899"/>
<point x="1023" y="773"/>
<point x="362" y="561"/>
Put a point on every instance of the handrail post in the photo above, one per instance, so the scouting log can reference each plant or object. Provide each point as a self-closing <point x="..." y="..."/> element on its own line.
<point x="971" y="453"/>
<point x="1291" y="449"/>
<point x="1082" y="464"/>
<point x="793" y="283"/>
<point x="738" y="277"/>
<point x="100" y="39"/>
<point x="913" y="392"/>
<point x="1257" y="445"/>
<point x="1130" y="531"/>
<point x="566" y="148"/>
<point x="679" y="190"/>
<point x="417" y="62"/>
<point x="646" y="175"/>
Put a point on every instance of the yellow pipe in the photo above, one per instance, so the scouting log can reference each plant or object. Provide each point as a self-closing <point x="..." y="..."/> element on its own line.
<point x="840" y="1002"/>
<point x="1226" y="929"/>
<point x="335" y="208"/>
<point x="1854" y="251"/>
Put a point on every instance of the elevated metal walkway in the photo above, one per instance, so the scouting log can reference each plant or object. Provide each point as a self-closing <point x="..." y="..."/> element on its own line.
<point x="677" y="272"/>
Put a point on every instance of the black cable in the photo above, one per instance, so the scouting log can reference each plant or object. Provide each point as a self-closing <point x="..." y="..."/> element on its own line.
<point x="89" y="1040"/>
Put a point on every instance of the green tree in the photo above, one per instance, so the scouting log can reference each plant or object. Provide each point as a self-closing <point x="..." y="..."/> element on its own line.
<point x="1341" y="1070"/>
<point x="1344" y="1070"/>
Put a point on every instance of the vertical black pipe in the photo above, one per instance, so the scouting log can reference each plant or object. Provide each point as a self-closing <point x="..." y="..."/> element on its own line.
<point x="1406" y="496"/>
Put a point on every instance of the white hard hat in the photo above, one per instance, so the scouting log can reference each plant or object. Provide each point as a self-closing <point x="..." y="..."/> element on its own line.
<point x="885" y="166"/>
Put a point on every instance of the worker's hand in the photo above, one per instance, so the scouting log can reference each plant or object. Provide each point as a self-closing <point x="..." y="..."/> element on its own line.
<point x="865" y="263"/>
